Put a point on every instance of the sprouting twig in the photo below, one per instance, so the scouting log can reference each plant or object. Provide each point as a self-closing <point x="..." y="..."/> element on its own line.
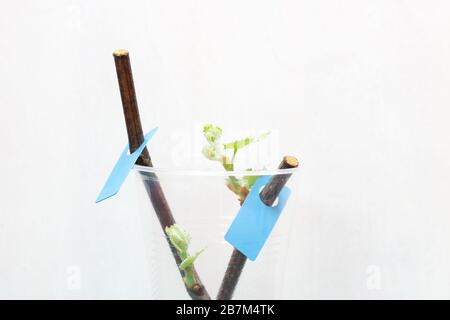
<point x="214" y="149"/>
<point x="237" y="261"/>
<point x="180" y="239"/>
<point x="135" y="137"/>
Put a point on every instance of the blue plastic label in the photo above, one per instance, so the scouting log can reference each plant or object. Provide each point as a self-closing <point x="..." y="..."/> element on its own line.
<point x="120" y="171"/>
<point x="255" y="220"/>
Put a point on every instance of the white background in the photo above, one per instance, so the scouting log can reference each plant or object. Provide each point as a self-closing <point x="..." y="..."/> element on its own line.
<point x="360" y="90"/>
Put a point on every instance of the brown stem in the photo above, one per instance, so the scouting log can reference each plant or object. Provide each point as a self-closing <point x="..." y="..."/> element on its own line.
<point x="151" y="182"/>
<point x="237" y="261"/>
<point x="273" y="188"/>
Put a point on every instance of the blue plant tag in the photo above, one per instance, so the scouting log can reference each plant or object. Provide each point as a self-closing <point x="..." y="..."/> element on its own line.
<point x="255" y="220"/>
<point x="120" y="171"/>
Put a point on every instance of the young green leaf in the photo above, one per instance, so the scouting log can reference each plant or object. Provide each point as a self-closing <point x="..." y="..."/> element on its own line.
<point x="239" y="144"/>
<point x="189" y="261"/>
<point x="213" y="149"/>
<point x="212" y="133"/>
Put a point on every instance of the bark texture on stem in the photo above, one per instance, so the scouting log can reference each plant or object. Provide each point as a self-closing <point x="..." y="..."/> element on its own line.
<point x="273" y="188"/>
<point x="151" y="182"/>
<point x="237" y="260"/>
<point x="130" y="106"/>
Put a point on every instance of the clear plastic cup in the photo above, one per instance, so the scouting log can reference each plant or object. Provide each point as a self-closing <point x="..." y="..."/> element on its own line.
<point x="202" y="204"/>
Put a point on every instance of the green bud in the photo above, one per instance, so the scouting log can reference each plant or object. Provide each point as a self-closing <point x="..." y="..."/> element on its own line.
<point x="178" y="237"/>
<point x="213" y="152"/>
<point x="212" y="133"/>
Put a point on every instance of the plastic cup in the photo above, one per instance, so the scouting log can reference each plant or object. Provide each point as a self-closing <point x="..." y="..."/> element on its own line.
<point x="203" y="205"/>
